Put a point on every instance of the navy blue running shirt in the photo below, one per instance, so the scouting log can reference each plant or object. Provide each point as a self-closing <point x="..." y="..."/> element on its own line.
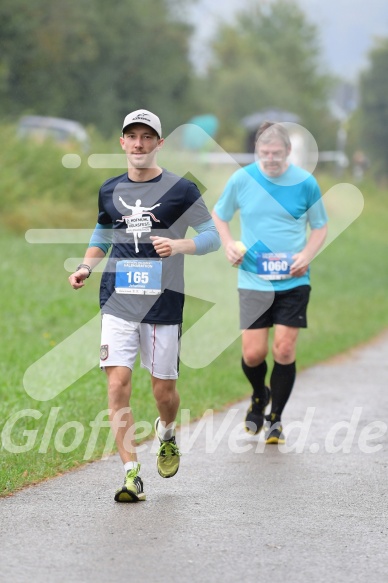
<point x="131" y="212"/>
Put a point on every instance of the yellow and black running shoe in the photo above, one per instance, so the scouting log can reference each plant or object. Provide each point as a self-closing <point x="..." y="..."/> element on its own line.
<point x="133" y="489"/>
<point x="168" y="456"/>
<point x="254" y="419"/>
<point x="274" y="429"/>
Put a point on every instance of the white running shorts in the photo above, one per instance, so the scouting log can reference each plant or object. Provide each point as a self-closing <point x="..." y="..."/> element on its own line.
<point x="159" y="346"/>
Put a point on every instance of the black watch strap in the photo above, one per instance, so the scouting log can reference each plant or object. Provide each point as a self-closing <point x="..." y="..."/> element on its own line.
<point x="85" y="266"/>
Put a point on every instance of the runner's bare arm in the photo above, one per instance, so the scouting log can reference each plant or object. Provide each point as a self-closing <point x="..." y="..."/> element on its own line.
<point x="92" y="257"/>
<point x="232" y="251"/>
<point x="304" y="258"/>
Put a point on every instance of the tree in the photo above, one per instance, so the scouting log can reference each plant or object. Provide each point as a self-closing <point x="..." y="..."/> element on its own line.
<point x="269" y="58"/>
<point x="93" y="60"/>
<point x="374" y="107"/>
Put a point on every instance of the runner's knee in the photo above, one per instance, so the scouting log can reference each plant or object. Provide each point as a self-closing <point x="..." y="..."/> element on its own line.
<point x="284" y="351"/>
<point x="119" y="391"/>
<point x="253" y="357"/>
<point x="164" y="391"/>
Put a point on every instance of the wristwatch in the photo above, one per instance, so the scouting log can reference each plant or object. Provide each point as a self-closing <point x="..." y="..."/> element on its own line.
<point x="85" y="266"/>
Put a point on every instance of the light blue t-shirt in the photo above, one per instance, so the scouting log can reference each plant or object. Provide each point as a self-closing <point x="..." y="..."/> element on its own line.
<point x="274" y="216"/>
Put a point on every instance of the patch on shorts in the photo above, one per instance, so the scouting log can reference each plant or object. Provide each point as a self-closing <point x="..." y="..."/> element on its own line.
<point x="104" y="351"/>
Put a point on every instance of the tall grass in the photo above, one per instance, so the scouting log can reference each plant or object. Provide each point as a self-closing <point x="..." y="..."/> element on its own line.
<point x="349" y="305"/>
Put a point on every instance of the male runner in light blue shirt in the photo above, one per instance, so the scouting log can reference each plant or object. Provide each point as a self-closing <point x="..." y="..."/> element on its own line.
<point x="277" y="202"/>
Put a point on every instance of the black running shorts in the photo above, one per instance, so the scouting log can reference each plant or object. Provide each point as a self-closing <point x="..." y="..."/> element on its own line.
<point x="264" y="309"/>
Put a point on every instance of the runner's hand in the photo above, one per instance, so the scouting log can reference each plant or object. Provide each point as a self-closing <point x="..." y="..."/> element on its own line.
<point x="165" y="247"/>
<point x="233" y="254"/>
<point x="300" y="265"/>
<point x="77" y="279"/>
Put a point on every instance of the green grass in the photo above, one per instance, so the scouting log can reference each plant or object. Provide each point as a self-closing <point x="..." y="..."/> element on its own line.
<point x="349" y="305"/>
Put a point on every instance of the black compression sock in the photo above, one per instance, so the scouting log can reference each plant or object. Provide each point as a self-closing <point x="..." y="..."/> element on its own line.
<point x="282" y="382"/>
<point x="256" y="376"/>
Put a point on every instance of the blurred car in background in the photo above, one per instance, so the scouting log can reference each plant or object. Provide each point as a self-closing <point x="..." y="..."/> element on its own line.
<point x="63" y="131"/>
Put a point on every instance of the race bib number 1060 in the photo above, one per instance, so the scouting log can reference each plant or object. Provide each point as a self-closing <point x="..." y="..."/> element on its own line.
<point x="274" y="265"/>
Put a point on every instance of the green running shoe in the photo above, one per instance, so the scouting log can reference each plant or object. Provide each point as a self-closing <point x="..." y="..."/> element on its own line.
<point x="274" y="430"/>
<point x="168" y="456"/>
<point x="254" y="419"/>
<point x="132" y="490"/>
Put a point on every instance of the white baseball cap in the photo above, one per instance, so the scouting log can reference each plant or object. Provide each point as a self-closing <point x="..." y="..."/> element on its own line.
<point x="145" y="117"/>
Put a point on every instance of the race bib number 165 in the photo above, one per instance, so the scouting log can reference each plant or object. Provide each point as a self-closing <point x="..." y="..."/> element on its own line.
<point x="139" y="276"/>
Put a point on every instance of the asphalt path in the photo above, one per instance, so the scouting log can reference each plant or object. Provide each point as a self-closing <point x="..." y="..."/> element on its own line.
<point x="238" y="510"/>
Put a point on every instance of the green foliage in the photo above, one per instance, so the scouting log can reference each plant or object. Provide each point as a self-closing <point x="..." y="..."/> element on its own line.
<point x="374" y="107"/>
<point x="93" y="60"/>
<point x="269" y="58"/>
<point x="39" y="191"/>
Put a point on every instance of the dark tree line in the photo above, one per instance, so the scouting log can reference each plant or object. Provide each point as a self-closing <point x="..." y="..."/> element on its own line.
<point x="94" y="61"/>
<point x="373" y="112"/>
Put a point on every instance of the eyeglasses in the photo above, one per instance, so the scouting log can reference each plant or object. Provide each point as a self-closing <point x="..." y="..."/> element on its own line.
<point x="271" y="157"/>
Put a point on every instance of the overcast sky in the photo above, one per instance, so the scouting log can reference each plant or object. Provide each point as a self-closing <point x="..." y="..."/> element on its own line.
<point x="347" y="28"/>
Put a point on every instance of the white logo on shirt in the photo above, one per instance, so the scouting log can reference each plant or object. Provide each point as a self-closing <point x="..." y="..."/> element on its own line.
<point x="139" y="221"/>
